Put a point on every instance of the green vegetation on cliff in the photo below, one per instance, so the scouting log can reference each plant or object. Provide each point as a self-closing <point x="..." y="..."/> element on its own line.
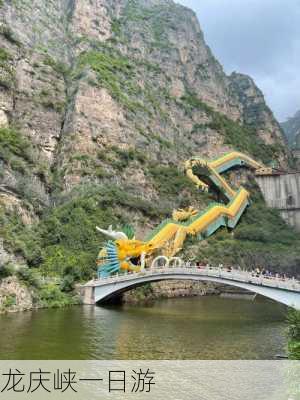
<point x="114" y="72"/>
<point x="15" y="149"/>
<point x="261" y="239"/>
<point x="65" y="242"/>
<point x="240" y="137"/>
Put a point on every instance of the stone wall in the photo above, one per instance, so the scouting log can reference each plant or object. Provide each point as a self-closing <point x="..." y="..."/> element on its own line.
<point x="183" y="289"/>
<point x="169" y="289"/>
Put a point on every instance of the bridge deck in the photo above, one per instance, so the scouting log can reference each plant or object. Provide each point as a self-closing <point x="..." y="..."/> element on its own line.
<point x="234" y="276"/>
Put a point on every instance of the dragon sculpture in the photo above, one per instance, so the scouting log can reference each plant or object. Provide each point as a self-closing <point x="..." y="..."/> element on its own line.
<point x="124" y="253"/>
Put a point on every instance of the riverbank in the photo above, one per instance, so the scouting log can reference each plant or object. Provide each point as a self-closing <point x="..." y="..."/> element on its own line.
<point x="17" y="295"/>
<point x="176" y="289"/>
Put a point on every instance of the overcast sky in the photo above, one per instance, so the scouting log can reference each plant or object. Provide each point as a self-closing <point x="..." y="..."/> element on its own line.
<point x="260" y="38"/>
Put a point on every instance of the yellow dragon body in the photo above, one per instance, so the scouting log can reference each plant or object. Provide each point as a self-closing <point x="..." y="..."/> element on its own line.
<point x="124" y="254"/>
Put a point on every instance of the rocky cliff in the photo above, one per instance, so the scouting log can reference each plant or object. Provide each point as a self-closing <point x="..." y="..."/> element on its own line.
<point x="291" y="128"/>
<point x="100" y="103"/>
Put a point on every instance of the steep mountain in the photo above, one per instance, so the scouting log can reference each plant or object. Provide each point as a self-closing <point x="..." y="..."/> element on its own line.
<point x="291" y="128"/>
<point x="101" y="101"/>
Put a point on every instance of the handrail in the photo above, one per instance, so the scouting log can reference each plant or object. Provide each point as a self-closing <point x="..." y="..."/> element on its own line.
<point x="234" y="275"/>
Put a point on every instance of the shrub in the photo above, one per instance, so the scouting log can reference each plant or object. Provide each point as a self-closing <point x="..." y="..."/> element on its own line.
<point x="51" y="296"/>
<point x="9" y="35"/>
<point x="116" y="26"/>
<point x="293" y="320"/>
<point x="7" y="73"/>
<point x="13" y="143"/>
<point x="9" y="300"/>
<point x="32" y="190"/>
<point x="4" y="56"/>
<point x="191" y="101"/>
<point x="67" y="284"/>
<point x="169" y="180"/>
<point x="57" y="66"/>
<point x="20" y="239"/>
<point x="6" y="270"/>
<point x="114" y="72"/>
<point x="125" y="157"/>
<point x="64" y="260"/>
<point x="30" y="277"/>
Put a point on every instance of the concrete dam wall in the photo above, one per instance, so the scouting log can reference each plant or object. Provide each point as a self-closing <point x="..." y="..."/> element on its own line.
<point x="283" y="192"/>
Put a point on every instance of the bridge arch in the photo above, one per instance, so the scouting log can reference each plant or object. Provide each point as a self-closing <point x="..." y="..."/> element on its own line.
<point x="110" y="289"/>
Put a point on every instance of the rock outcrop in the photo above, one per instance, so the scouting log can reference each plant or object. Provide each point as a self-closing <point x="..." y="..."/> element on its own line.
<point x="291" y="129"/>
<point x="14" y="296"/>
<point x="168" y="290"/>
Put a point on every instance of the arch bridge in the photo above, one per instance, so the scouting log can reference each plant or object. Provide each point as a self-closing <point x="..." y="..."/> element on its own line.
<point x="285" y="291"/>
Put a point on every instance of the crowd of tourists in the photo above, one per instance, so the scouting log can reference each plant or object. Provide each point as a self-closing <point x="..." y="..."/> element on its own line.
<point x="256" y="272"/>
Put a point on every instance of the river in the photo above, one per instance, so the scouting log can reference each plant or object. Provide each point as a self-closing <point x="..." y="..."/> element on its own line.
<point x="185" y="328"/>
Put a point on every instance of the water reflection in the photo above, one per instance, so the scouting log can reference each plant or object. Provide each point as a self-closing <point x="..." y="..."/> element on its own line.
<point x="196" y="328"/>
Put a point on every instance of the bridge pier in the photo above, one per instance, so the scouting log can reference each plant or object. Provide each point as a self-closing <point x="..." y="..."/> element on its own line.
<point x="87" y="294"/>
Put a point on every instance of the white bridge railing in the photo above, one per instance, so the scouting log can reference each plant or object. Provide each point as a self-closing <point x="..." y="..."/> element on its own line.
<point x="234" y="275"/>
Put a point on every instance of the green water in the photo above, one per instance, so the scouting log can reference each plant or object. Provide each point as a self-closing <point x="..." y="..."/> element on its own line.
<point x="190" y="328"/>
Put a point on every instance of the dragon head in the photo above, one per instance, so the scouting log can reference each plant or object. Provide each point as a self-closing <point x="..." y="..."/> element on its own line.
<point x="130" y="253"/>
<point x="122" y="254"/>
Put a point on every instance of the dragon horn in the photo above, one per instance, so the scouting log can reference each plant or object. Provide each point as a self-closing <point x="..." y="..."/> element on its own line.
<point x="112" y="234"/>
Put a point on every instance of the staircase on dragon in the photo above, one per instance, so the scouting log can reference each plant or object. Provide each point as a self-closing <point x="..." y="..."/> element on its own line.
<point x="124" y="253"/>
